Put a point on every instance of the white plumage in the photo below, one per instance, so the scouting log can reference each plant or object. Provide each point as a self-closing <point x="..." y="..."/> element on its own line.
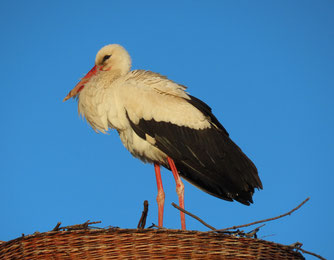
<point x="108" y="95"/>
<point x="157" y="119"/>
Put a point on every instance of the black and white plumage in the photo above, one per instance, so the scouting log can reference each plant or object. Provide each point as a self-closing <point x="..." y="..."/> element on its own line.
<point x="156" y="119"/>
<point x="207" y="157"/>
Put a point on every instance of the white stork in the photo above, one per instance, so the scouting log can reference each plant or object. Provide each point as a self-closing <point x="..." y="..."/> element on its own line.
<point x="160" y="123"/>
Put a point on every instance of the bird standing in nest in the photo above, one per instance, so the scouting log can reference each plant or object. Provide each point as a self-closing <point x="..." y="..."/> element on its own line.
<point x="160" y="123"/>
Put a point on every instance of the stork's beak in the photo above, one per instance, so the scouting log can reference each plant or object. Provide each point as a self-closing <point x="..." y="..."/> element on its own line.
<point x="75" y="91"/>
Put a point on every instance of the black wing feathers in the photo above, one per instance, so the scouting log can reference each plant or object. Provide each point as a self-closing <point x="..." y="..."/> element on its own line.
<point x="207" y="158"/>
<point x="206" y="110"/>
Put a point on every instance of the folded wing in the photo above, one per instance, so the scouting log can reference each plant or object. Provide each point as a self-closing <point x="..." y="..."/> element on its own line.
<point x="184" y="128"/>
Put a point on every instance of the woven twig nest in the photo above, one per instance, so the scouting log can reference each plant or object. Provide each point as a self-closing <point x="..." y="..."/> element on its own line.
<point x="141" y="244"/>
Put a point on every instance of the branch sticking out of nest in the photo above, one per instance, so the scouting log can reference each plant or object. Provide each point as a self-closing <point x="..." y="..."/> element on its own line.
<point x="252" y="233"/>
<point x="157" y="227"/>
<point x="193" y="216"/>
<point x="238" y="232"/>
<point x="75" y="227"/>
<point x="264" y="220"/>
<point x="297" y="246"/>
<point x="142" y="221"/>
<point x="240" y="226"/>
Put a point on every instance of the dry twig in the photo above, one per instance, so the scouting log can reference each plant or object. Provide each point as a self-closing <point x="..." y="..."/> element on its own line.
<point x="310" y="253"/>
<point x="75" y="227"/>
<point x="56" y="228"/>
<point x="298" y="246"/>
<point x="192" y="215"/>
<point x="155" y="226"/>
<point x="264" y="220"/>
<point x="253" y="232"/>
<point x="142" y="221"/>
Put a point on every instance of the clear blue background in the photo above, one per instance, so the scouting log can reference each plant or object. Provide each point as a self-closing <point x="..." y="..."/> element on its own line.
<point x="265" y="67"/>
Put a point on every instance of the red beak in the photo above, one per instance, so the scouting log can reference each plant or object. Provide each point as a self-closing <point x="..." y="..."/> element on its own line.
<point x="75" y="91"/>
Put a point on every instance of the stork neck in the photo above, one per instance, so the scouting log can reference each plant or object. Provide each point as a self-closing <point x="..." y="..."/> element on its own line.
<point x="113" y="74"/>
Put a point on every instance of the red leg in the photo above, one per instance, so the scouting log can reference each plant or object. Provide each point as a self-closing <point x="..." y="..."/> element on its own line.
<point x="179" y="190"/>
<point x="161" y="194"/>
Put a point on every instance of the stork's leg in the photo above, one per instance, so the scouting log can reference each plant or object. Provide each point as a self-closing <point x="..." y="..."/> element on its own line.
<point x="179" y="190"/>
<point x="161" y="194"/>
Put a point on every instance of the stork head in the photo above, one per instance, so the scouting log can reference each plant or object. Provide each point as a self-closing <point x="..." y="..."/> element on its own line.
<point x="112" y="59"/>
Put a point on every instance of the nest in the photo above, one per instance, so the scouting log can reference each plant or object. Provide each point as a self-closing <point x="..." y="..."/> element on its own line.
<point x="115" y="243"/>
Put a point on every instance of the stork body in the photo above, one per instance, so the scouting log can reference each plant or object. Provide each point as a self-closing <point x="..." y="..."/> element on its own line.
<point x="160" y="123"/>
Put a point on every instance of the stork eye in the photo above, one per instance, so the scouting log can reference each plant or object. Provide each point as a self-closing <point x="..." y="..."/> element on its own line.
<point x="105" y="58"/>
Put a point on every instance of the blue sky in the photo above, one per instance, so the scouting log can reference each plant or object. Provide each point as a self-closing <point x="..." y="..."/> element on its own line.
<point x="265" y="67"/>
